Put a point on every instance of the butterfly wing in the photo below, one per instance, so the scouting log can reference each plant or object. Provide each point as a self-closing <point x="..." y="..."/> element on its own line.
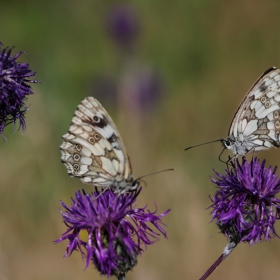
<point x="256" y="123"/>
<point x="92" y="149"/>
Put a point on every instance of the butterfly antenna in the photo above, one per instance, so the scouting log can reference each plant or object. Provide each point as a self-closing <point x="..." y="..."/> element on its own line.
<point x="139" y="178"/>
<point x="188" y="148"/>
<point x="145" y="183"/>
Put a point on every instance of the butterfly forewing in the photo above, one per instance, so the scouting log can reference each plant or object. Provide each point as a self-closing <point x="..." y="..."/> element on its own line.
<point x="93" y="150"/>
<point x="256" y="124"/>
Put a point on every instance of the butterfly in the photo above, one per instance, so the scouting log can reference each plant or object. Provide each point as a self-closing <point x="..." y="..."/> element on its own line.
<point x="93" y="150"/>
<point x="256" y="123"/>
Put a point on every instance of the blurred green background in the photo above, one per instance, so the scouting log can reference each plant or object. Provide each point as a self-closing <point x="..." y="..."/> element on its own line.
<point x="207" y="55"/>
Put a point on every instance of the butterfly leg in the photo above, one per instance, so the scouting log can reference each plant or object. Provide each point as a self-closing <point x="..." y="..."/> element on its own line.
<point x="253" y="152"/>
<point x="221" y="155"/>
<point x="231" y="161"/>
<point x="101" y="192"/>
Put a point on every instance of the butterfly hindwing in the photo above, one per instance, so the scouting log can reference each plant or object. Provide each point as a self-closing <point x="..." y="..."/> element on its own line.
<point x="256" y="124"/>
<point x="93" y="149"/>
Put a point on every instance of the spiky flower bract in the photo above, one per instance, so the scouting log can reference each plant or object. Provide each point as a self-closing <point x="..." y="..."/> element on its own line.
<point x="14" y="77"/>
<point x="116" y="231"/>
<point x="245" y="206"/>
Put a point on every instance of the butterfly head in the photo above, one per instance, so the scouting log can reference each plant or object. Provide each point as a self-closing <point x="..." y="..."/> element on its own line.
<point x="228" y="142"/>
<point x="132" y="184"/>
<point x="239" y="146"/>
<point x="123" y="186"/>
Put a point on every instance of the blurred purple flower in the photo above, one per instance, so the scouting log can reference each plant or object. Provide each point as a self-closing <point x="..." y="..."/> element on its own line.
<point x="142" y="87"/>
<point x="14" y="77"/>
<point x="123" y="25"/>
<point x="116" y="232"/>
<point x="150" y="88"/>
<point x="245" y="206"/>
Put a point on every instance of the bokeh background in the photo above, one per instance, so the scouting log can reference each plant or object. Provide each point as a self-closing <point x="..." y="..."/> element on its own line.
<point x="171" y="74"/>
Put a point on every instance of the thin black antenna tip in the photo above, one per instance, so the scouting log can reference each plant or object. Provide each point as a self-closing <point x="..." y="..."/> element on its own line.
<point x="169" y="169"/>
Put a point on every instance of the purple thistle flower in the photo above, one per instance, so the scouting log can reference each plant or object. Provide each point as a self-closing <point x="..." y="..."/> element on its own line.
<point x="116" y="232"/>
<point x="245" y="206"/>
<point x="14" y="77"/>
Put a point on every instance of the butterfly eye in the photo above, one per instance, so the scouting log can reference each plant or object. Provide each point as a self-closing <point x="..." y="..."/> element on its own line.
<point x="77" y="157"/>
<point x="134" y="184"/>
<point x="96" y="119"/>
<point x="78" y="147"/>
<point x="76" y="167"/>
<point x="228" y="143"/>
<point x="276" y="114"/>
<point x="96" y="136"/>
<point x="91" y="140"/>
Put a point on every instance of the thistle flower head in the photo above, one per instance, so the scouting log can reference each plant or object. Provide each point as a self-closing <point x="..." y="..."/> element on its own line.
<point x="146" y="90"/>
<point x="116" y="232"/>
<point x="14" y="77"/>
<point x="123" y="25"/>
<point x="245" y="206"/>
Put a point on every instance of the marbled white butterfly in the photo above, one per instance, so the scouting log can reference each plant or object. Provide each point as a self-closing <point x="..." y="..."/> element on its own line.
<point x="256" y="123"/>
<point x="93" y="150"/>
